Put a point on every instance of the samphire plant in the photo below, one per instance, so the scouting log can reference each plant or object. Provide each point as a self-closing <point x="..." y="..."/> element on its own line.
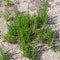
<point x="6" y="16"/>
<point x="3" y="55"/>
<point x="26" y="29"/>
<point x="8" y="3"/>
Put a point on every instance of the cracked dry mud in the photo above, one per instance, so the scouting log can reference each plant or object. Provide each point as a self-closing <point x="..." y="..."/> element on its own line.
<point x="54" y="18"/>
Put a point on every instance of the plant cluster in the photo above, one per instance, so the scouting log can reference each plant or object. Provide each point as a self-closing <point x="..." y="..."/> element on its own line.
<point x="8" y="3"/>
<point x="25" y="29"/>
<point x="3" y="55"/>
<point x="6" y="16"/>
